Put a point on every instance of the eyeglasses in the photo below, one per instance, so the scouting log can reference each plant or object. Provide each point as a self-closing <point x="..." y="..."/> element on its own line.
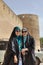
<point x="24" y="31"/>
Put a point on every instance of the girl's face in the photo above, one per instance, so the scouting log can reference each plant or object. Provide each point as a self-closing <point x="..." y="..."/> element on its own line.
<point x="24" y="33"/>
<point x="17" y="33"/>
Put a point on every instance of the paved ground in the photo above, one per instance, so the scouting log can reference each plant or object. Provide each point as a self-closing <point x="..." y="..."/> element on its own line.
<point x="41" y="63"/>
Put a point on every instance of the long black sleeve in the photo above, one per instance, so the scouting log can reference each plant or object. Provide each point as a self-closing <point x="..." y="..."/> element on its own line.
<point x="32" y="44"/>
<point x="9" y="53"/>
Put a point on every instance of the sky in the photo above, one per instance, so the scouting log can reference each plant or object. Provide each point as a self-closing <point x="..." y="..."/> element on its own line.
<point x="28" y="7"/>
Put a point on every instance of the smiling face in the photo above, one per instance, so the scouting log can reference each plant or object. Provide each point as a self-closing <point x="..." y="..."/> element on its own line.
<point x="17" y="33"/>
<point x="24" y="33"/>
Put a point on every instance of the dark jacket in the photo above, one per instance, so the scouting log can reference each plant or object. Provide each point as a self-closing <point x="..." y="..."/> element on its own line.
<point x="12" y="50"/>
<point x="30" y="44"/>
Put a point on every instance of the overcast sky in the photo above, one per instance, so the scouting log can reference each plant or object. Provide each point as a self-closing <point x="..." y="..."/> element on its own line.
<point x="28" y="7"/>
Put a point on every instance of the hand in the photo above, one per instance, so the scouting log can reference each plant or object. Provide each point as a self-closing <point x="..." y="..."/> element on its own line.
<point x="26" y="49"/>
<point x="23" y="50"/>
<point x="15" y="59"/>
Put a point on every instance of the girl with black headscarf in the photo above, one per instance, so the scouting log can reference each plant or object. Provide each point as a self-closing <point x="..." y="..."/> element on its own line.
<point x="14" y="47"/>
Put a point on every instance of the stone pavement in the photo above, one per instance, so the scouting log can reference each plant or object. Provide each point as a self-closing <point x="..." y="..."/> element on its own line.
<point x="41" y="63"/>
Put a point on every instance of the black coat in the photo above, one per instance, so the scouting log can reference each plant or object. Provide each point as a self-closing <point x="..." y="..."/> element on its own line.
<point x="12" y="50"/>
<point x="28" y="59"/>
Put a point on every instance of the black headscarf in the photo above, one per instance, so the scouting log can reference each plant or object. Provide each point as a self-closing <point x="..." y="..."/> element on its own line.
<point x="13" y="33"/>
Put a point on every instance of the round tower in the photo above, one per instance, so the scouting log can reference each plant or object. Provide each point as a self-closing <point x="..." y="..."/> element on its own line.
<point x="31" y="22"/>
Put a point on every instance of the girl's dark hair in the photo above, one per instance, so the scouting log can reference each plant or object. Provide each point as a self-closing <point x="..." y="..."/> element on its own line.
<point x="13" y="33"/>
